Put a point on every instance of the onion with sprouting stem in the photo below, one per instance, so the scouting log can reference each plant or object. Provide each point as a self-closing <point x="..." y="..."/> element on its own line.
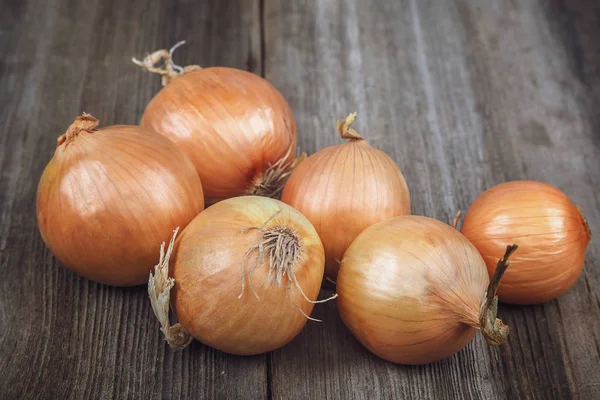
<point x="244" y="276"/>
<point x="109" y="195"/>
<point x="552" y="232"/>
<point x="414" y="290"/>
<point x="237" y="129"/>
<point x="344" y="189"/>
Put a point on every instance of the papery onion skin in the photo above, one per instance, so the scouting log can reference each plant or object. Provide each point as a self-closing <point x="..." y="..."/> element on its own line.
<point x="206" y="268"/>
<point x="551" y="232"/>
<point x="231" y="123"/>
<point x="410" y="289"/>
<point x="342" y="190"/>
<point x="108" y="197"/>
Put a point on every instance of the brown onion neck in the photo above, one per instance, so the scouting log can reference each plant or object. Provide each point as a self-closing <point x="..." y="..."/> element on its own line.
<point x="159" y="291"/>
<point x="343" y="127"/>
<point x="169" y="71"/>
<point x="84" y="123"/>
<point x="493" y="329"/>
<point x="456" y="219"/>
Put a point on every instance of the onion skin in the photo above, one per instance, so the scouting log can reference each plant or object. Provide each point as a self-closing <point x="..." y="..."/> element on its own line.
<point x="108" y="197"/>
<point x="231" y="123"/>
<point x="410" y="289"/>
<point x="551" y="231"/>
<point x="207" y="271"/>
<point x="344" y="189"/>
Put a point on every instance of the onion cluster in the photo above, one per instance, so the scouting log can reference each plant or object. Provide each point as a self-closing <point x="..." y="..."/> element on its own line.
<point x="243" y="275"/>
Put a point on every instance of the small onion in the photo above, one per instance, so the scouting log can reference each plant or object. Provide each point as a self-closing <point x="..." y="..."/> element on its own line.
<point x="237" y="129"/>
<point x="413" y="291"/>
<point x="109" y="195"/>
<point x="552" y="233"/>
<point x="344" y="189"/>
<point x="245" y="275"/>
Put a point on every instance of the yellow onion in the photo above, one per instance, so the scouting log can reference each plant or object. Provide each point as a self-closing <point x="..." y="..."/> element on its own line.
<point x="414" y="290"/>
<point x="109" y="195"/>
<point x="245" y="274"/>
<point x="551" y="231"/>
<point x="237" y="129"/>
<point x="344" y="189"/>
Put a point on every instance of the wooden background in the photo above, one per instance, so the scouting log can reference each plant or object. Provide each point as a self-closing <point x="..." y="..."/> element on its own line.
<point x="463" y="94"/>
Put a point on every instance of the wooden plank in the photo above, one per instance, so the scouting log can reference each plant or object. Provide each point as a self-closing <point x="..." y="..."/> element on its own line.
<point x="463" y="95"/>
<point x="62" y="336"/>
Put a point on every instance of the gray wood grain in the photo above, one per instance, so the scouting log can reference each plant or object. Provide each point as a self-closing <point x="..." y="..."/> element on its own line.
<point x="60" y="335"/>
<point x="463" y="95"/>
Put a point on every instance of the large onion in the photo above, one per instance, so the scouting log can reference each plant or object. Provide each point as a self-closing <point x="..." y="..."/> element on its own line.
<point x="344" y="189"/>
<point x="246" y="273"/>
<point x="551" y="231"/>
<point x="109" y="195"/>
<point x="413" y="291"/>
<point x="237" y="129"/>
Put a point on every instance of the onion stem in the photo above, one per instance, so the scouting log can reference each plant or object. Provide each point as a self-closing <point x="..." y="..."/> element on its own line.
<point x="494" y="330"/>
<point x="456" y="219"/>
<point x="159" y="290"/>
<point x="343" y="127"/>
<point x="83" y="123"/>
<point x="170" y="70"/>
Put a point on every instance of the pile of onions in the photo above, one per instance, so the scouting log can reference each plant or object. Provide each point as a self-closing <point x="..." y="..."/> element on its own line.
<point x="551" y="232"/>
<point x="414" y="290"/>
<point x="344" y="189"/>
<point x="245" y="274"/>
<point x="109" y="196"/>
<point x="237" y="129"/>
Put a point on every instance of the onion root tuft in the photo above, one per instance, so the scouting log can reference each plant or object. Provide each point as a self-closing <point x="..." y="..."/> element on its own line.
<point x="272" y="182"/>
<point x="283" y="249"/>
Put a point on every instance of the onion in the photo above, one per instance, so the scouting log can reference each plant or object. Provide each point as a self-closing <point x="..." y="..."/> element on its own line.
<point x="237" y="129"/>
<point x="344" y="189"/>
<point x="411" y="290"/>
<point x="551" y="231"/>
<point x="246" y="273"/>
<point x="108" y="196"/>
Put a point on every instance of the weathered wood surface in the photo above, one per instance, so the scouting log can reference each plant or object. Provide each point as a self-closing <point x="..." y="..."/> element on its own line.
<point x="462" y="94"/>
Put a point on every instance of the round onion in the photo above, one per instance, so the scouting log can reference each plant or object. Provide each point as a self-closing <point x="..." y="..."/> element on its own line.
<point x="551" y="231"/>
<point x="108" y="196"/>
<point x="411" y="290"/>
<point x="246" y="273"/>
<point x="344" y="189"/>
<point x="237" y="129"/>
